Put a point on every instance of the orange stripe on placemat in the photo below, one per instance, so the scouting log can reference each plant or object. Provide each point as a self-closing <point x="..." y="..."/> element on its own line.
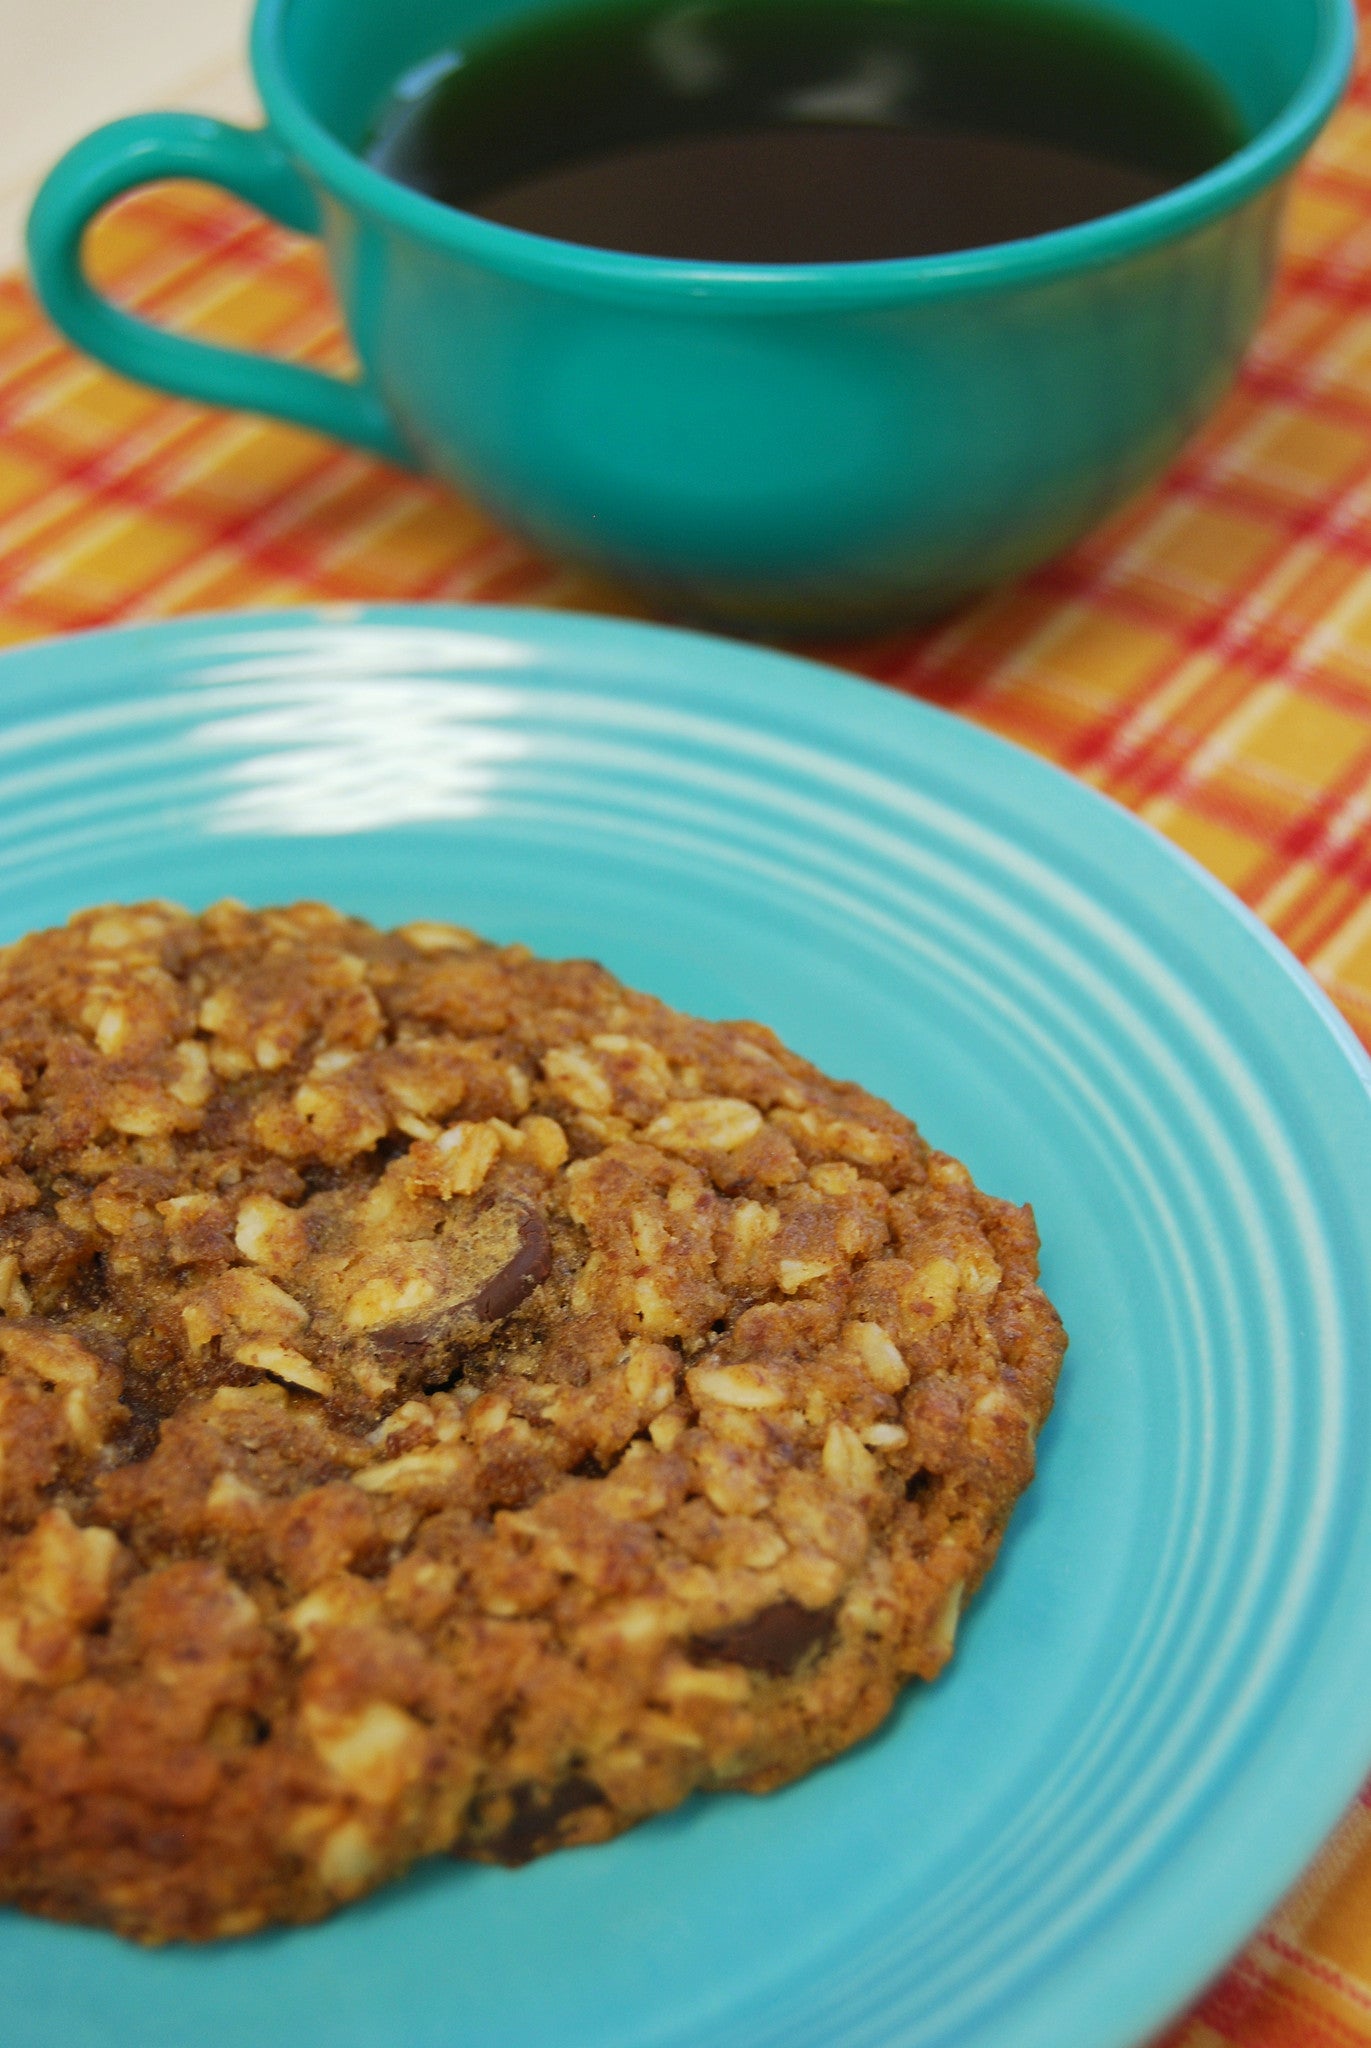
<point x="1205" y="657"/>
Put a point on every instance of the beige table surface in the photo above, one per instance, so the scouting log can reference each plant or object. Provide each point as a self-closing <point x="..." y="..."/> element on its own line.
<point x="67" y="65"/>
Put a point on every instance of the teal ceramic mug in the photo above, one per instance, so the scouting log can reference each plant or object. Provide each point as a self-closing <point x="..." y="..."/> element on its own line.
<point x="805" y="450"/>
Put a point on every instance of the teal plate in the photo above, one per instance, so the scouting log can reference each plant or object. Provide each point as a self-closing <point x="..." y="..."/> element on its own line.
<point x="1162" y="1698"/>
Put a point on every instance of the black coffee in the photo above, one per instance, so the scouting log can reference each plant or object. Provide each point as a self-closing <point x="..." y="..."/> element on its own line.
<point x="803" y="131"/>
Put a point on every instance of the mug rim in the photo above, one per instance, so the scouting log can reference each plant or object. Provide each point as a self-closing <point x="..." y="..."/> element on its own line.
<point x="1033" y="259"/>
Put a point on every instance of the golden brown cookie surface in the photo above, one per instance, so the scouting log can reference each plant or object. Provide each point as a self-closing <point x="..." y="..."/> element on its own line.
<point x="451" y="1401"/>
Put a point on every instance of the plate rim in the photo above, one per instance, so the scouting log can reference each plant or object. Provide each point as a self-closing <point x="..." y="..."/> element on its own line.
<point x="529" y="620"/>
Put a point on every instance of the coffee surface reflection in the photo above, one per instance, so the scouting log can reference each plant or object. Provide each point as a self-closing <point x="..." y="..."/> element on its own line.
<point x="803" y="131"/>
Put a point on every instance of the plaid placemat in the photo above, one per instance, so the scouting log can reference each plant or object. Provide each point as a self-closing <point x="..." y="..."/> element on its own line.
<point x="1205" y="658"/>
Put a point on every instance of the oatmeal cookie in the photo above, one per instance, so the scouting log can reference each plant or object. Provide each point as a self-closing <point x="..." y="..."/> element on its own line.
<point x="450" y="1402"/>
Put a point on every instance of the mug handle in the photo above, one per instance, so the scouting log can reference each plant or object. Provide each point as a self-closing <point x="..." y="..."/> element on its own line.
<point x="248" y="162"/>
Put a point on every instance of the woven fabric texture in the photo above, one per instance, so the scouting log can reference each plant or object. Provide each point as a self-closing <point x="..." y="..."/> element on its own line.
<point x="1205" y="658"/>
